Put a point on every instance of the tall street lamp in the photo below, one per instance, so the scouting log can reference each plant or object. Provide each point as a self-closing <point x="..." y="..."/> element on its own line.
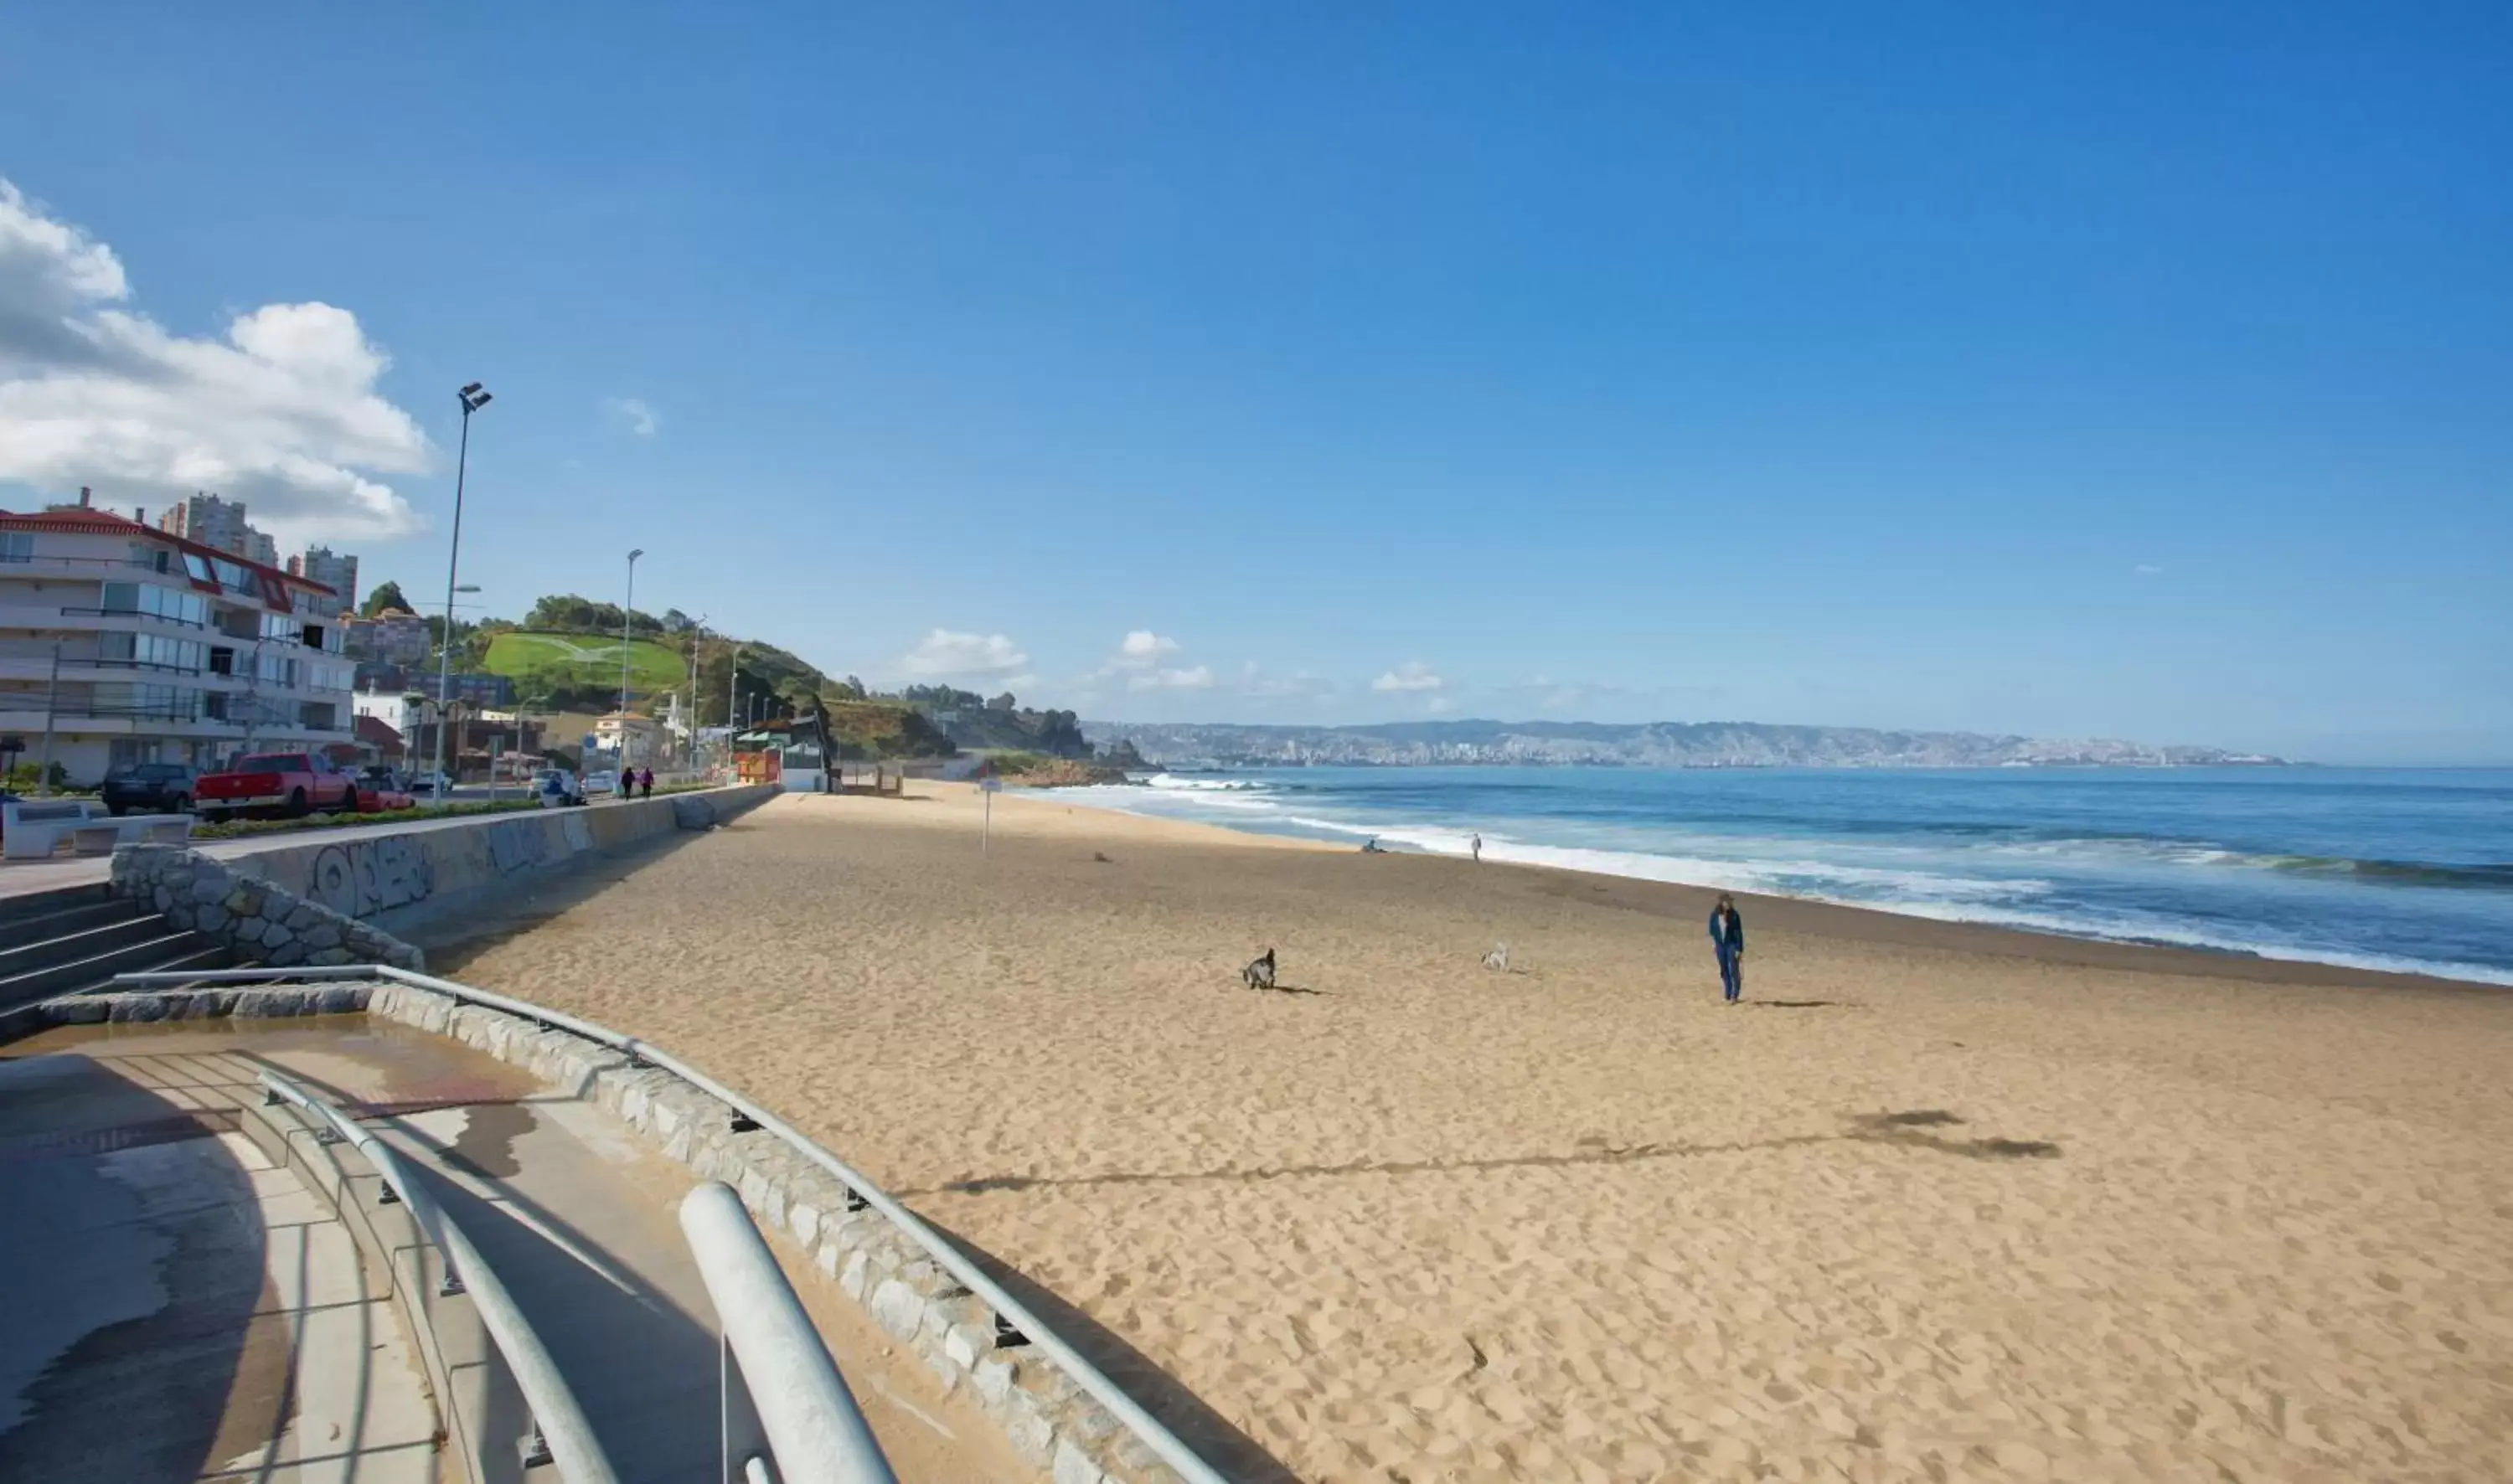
<point x="473" y="399"/>
<point x="628" y="618"/>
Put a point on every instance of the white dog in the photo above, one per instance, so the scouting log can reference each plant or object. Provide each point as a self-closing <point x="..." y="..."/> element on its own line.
<point x="1498" y="958"/>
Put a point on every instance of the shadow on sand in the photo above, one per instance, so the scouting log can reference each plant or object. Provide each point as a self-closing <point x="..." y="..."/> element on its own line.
<point x="1905" y="1129"/>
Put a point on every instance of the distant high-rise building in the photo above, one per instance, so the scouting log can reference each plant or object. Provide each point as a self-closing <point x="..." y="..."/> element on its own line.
<point x="213" y="521"/>
<point x="337" y="572"/>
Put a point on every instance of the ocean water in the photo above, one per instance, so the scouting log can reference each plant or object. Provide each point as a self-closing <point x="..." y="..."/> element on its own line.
<point x="2408" y="870"/>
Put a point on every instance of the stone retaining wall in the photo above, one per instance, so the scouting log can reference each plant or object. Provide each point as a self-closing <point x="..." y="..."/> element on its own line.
<point x="258" y="920"/>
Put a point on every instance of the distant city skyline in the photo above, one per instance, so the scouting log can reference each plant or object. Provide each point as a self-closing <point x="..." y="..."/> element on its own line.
<point x="2144" y="374"/>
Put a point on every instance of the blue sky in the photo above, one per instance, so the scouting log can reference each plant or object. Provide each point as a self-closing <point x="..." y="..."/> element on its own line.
<point x="2141" y="372"/>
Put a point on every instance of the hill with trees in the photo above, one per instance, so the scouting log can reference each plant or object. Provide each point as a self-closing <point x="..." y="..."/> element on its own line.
<point x="563" y="655"/>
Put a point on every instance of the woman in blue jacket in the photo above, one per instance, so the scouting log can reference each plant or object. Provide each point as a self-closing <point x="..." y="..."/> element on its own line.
<point x="1727" y="939"/>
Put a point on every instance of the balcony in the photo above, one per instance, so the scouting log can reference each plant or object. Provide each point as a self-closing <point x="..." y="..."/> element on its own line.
<point x="43" y="560"/>
<point x="180" y="623"/>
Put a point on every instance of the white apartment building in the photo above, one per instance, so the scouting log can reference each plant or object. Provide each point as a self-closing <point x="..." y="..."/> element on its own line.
<point x="166" y="649"/>
<point x="393" y="708"/>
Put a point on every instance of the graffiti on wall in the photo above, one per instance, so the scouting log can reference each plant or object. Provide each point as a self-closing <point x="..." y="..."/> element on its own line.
<point x="361" y="878"/>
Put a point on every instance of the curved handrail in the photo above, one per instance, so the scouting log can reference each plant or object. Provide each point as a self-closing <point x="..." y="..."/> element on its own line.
<point x="815" y="1431"/>
<point x="561" y="1422"/>
<point x="1164" y="1443"/>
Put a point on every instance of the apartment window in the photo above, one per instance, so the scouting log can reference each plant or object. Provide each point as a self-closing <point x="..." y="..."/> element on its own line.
<point x="155" y="558"/>
<point x="213" y="705"/>
<point x="312" y="635"/>
<point x="280" y="627"/>
<point x="17" y="546"/>
<point x="320" y="716"/>
<point x="155" y="702"/>
<point x="154" y="601"/>
<point x="222" y="660"/>
<point x="198" y="568"/>
<point x="149" y="651"/>
<point x="132" y="752"/>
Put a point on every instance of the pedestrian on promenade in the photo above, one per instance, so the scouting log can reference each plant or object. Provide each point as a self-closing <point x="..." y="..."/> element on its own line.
<point x="1728" y="941"/>
<point x="646" y="784"/>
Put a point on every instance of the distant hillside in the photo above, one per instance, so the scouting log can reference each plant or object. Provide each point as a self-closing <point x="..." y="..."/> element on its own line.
<point x="1652" y="744"/>
<point x="548" y="664"/>
<point x="997" y="723"/>
<point x="871" y="730"/>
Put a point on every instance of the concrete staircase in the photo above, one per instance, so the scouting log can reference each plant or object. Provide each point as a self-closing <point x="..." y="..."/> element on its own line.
<point x="61" y="942"/>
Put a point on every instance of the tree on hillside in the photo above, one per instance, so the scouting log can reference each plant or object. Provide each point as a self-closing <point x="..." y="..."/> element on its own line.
<point x="1060" y="733"/>
<point x="387" y="595"/>
<point x="568" y="614"/>
<point x="1002" y="702"/>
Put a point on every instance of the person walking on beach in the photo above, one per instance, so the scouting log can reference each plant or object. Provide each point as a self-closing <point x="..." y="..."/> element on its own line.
<point x="1727" y="939"/>
<point x="1477" y="847"/>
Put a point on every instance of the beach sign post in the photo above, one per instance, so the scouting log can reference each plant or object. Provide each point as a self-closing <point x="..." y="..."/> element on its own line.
<point x="988" y="785"/>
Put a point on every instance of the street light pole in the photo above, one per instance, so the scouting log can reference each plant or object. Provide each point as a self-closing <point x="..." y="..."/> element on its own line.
<point x="731" y="689"/>
<point x="697" y="637"/>
<point x="473" y="399"/>
<point x="628" y="621"/>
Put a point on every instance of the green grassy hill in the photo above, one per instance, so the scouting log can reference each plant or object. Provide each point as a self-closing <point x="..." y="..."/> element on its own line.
<point x="575" y="663"/>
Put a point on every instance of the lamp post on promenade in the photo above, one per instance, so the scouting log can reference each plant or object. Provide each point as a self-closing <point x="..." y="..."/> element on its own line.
<point x="473" y="399"/>
<point x="627" y="623"/>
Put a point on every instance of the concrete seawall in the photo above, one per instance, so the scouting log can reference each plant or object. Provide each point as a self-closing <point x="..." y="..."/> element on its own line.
<point x="403" y="880"/>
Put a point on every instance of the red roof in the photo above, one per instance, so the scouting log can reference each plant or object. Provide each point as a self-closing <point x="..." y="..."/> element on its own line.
<point x="378" y="733"/>
<point x="104" y="522"/>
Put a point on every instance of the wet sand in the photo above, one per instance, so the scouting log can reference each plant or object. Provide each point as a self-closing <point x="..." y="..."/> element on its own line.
<point x="1939" y="1202"/>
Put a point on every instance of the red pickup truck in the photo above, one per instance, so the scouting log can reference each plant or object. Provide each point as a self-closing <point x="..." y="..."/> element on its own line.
<point x="284" y="783"/>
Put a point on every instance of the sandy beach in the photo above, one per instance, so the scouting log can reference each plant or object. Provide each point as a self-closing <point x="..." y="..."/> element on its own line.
<point x="1938" y="1202"/>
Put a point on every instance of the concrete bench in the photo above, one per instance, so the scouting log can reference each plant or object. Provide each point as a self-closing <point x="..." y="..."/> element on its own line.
<point x="32" y="828"/>
<point x="99" y="835"/>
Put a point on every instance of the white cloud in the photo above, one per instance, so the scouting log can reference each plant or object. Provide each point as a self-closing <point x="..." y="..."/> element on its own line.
<point x="1440" y="704"/>
<point x="2147" y="569"/>
<point x="1412" y="674"/>
<point x="1198" y="678"/>
<point x="967" y="657"/>
<point x="1139" y="659"/>
<point x="633" y="414"/>
<point x="281" y="414"/>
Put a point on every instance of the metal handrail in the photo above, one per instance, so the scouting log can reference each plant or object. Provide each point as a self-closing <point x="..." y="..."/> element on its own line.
<point x="816" y="1432"/>
<point x="1128" y="1412"/>
<point x="558" y="1422"/>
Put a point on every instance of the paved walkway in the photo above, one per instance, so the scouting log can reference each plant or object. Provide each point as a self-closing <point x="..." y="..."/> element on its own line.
<point x="23" y="877"/>
<point x="172" y="1307"/>
<point x="148" y="1251"/>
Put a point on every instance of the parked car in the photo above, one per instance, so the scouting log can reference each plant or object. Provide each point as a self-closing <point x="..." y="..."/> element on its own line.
<point x="603" y="782"/>
<point x="557" y="788"/>
<point x="433" y="783"/>
<point x="293" y="784"/>
<point x="379" y="790"/>
<point x="382" y="779"/>
<point x="150" y="788"/>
